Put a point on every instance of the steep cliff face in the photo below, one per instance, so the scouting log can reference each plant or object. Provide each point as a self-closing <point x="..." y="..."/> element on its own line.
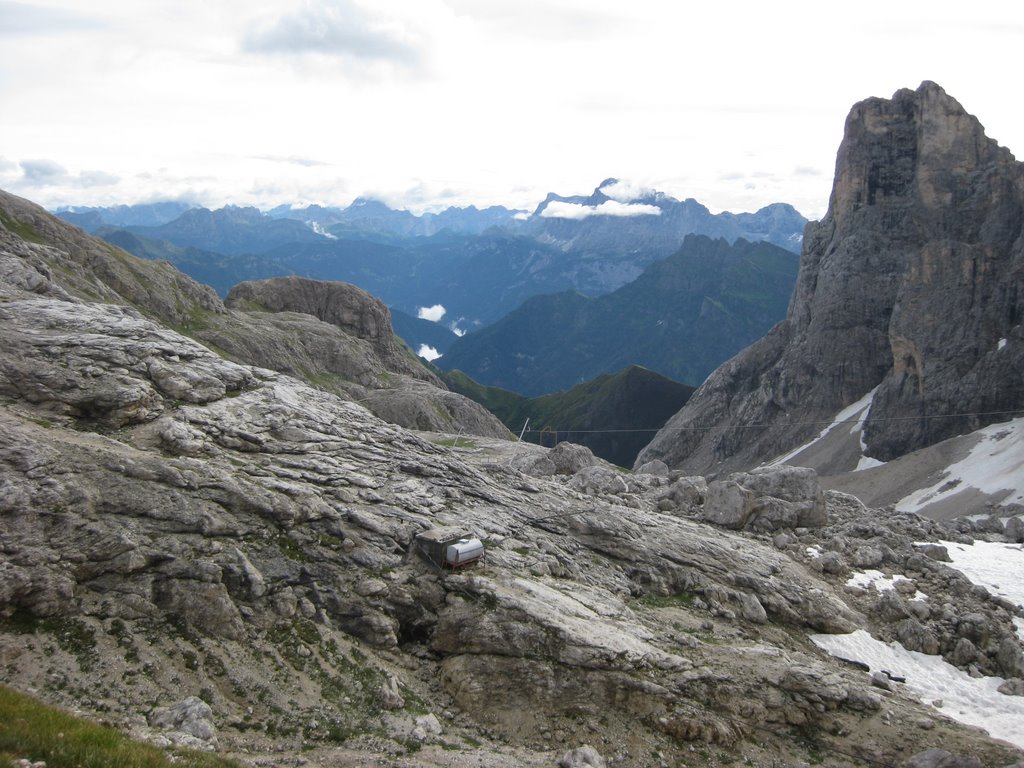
<point x="913" y="284"/>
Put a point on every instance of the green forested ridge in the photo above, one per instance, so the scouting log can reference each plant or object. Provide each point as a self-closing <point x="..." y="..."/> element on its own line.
<point x="614" y="415"/>
<point x="682" y="317"/>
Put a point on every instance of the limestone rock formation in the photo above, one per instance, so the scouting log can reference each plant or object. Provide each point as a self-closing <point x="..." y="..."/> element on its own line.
<point x="337" y="336"/>
<point x="351" y="309"/>
<point x="911" y="287"/>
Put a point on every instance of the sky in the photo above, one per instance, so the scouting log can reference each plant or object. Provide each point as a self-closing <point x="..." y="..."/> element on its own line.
<point x="431" y="103"/>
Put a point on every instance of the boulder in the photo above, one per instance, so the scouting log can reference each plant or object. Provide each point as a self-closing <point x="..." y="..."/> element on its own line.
<point x="192" y="718"/>
<point x="582" y="757"/>
<point x="1014" y="530"/>
<point x="1012" y="687"/>
<point x="767" y="499"/>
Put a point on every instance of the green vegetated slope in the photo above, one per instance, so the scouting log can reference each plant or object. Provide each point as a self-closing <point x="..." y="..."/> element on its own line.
<point x="614" y="415"/>
<point x="682" y="317"/>
<point x="34" y="731"/>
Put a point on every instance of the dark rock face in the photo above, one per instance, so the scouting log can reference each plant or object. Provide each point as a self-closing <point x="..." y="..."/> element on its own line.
<point x="912" y="283"/>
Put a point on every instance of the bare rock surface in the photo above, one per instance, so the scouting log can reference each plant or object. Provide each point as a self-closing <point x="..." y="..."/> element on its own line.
<point x="178" y="528"/>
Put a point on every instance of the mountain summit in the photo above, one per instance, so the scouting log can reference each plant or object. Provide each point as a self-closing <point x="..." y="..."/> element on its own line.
<point x="910" y="296"/>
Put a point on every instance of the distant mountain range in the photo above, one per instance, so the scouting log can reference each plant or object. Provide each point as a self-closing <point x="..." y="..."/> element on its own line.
<point x="682" y="317"/>
<point x="480" y="265"/>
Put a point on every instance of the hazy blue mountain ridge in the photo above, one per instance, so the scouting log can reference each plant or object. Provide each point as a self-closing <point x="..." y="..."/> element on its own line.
<point x="682" y="317"/>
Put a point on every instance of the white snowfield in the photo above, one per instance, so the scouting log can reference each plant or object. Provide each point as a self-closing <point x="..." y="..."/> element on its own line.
<point x="975" y="701"/>
<point x="996" y="565"/>
<point x="994" y="466"/>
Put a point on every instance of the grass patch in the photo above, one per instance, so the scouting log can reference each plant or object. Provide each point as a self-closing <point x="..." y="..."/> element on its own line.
<point x="31" y="729"/>
<point x="21" y="229"/>
<point x="292" y="549"/>
<point x="72" y="635"/>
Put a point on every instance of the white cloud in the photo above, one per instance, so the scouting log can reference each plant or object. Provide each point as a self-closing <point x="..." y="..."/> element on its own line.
<point x="47" y="173"/>
<point x="216" y="66"/>
<point x="454" y="326"/>
<point x="340" y="28"/>
<point x="557" y="209"/>
<point x="627" y="191"/>
<point x="428" y="353"/>
<point x="304" y="162"/>
<point x="26" y="19"/>
<point x="43" y="171"/>
<point x="433" y="314"/>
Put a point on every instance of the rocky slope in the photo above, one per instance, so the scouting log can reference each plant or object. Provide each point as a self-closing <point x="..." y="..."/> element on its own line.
<point x="911" y="287"/>
<point x="217" y="554"/>
<point x="350" y="350"/>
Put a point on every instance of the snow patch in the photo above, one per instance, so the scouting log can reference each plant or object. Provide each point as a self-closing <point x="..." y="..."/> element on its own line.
<point x="995" y="565"/>
<point x="878" y="581"/>
<point x="317" y="227"/>
<point x="974" y="701"/>
<point x="858" y="411"/>
<point x="1001" y="344"/>
<point x="813" y="551"/>
<point x="866" y="462"/>
<point x="995" y="465"/>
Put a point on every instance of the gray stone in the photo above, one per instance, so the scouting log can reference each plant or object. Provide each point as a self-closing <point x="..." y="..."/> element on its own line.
<point x="657" y="467"/>
<point x="935" y="552"/>
<point x="833" y="562"/>
<point x="1010" y="658"/>
<point x="582" y="757"/>
<point x="914" y="637"/>
<point x="964" y="653"/>
<point x="1012" y="687"/>
<point x="389" y="694"/>
<point x="191" y="716"/>
<point x="766" y="499"/>
<point x="1014" y="530"/>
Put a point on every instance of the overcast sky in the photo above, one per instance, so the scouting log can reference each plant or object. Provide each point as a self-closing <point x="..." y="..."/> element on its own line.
<point x="430" y="103"/>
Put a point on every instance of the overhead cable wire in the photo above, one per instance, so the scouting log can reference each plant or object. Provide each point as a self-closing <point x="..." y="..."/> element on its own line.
<point x="820" y="422"/>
